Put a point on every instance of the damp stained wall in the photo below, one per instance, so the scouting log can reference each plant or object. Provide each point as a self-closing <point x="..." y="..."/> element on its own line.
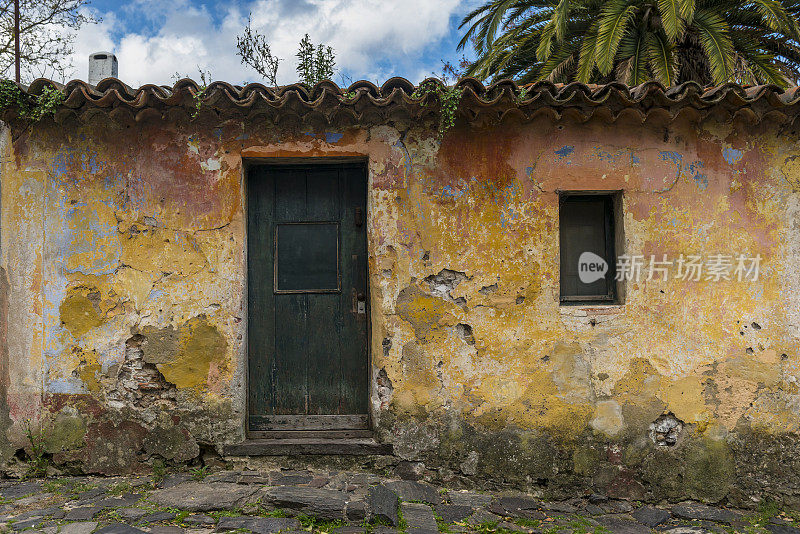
<point x="124" y="254"/>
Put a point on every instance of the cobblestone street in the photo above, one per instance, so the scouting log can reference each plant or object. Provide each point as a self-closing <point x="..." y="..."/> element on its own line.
<point x="341" y="502"/>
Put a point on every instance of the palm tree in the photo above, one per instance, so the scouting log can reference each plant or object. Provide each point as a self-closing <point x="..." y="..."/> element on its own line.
<point x="632" y="41"/>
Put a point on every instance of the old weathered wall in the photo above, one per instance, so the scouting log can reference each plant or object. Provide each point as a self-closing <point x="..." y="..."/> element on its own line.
<point x="126" y="270"/>
<point x="492" y="377"/>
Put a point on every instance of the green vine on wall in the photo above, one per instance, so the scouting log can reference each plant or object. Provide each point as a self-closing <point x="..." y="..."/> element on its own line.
<point x="449" y="98"/>
<point x="30" y="107"/>
<point x="198" y="101"/>
<point x="205" y="81"/>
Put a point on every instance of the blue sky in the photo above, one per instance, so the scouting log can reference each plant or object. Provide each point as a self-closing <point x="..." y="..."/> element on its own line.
<point x="155" y="40"/>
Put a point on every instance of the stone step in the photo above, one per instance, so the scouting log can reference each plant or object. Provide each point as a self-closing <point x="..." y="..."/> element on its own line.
<point x="294" y="446"/>
<point x="327" y="504"/>
<point x="310" y="434"/>
<point x="419" y="518"/>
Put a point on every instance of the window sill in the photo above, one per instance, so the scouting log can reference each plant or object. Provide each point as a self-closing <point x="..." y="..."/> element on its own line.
<point x="590" y="310"/>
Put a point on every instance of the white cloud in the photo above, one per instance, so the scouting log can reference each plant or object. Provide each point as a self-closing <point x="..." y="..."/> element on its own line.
<point x="373" y="39"/>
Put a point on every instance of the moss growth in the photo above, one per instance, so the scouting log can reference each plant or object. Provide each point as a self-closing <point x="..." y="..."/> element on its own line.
<point x="171" y="443"/>
<point x="159" y="471"/>
<point x="663" y="472"/>
<point x="402" y="524"/>
<point x="217" y="514"/>
<point x="319" y="525"/>
<point x="65" y="433"/>
<point x="57" y="486"/>
<point x="278" y="512"/>
<point x="528" y="523"/>
<point x="586" y="460"/>
<point x="181" y="515"/>
<point x="709" y="470"/>
<point x="581" y="525"/>
<point x="119" y="488"/>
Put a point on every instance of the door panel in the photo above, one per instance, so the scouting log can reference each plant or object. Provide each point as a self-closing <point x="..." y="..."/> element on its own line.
<point x="306" y="257"/>
<point x="355" y="396"/>
<point x="307" y="272"/>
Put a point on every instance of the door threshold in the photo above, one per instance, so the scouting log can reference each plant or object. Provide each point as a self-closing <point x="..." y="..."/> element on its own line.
<point x="290" y="446"/>
<point x="315" y="434"/>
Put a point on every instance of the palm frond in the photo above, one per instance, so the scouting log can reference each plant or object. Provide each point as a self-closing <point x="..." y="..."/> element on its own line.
<point x="634" y="49"/>
<point x="716" y="43"/>
<point x="546" y="41"/>
<point x="661" y="57"/>
<point x="757" y="62"/>
<point x="587" y="57"/>
<point x="612" y="27"/>
<point x="672" y="41"/>
<point x="561" y="60"/>
<point x="671" y="19"/>
<point x="775" y="16"/>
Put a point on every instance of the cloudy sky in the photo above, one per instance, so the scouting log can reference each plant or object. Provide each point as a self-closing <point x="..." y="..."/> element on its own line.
<point x="373" y="39"/>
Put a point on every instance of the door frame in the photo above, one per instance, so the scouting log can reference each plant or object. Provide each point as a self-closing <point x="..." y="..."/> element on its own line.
<point x="304" y="161"/>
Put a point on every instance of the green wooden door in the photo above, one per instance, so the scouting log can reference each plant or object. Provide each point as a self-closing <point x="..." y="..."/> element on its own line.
<point x="307" y="285"/>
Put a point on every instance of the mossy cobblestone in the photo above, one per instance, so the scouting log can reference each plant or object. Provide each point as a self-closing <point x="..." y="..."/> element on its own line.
<point x="286" y="501"/>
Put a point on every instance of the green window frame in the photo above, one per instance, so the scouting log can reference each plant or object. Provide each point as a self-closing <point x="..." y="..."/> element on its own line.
<point x="586" y="224"/>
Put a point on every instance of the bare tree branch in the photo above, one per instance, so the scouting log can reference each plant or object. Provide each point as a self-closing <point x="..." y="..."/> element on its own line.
<point x="44" y="43"/>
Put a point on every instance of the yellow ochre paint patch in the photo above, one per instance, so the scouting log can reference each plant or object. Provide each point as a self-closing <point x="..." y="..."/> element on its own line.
<point x="79" y="313"/>
<point x="185" y="356"/>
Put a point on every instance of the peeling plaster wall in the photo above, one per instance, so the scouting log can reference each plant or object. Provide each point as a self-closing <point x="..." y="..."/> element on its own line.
<point x="126" y="274"/>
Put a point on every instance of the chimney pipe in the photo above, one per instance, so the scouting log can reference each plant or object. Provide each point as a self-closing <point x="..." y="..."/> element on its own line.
<point x="102" y="65"/>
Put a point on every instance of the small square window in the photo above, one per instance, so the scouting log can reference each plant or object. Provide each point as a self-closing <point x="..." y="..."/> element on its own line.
<point x="307" y="258"/>
<point x="588" y="263"/>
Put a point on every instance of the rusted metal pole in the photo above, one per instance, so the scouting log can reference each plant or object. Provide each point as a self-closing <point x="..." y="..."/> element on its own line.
<point x="16" y="39"/>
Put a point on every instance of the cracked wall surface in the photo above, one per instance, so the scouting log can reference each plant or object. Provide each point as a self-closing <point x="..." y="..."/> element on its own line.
<point x="127" y="330"/>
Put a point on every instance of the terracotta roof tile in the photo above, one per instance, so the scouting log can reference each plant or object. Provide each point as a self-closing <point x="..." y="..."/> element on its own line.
<point x="364" y="101"/>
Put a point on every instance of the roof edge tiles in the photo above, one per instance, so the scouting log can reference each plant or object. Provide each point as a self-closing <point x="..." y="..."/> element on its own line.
<point x="364" y="101"/>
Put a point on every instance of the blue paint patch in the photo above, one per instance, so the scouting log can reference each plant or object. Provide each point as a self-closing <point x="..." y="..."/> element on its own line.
<point x="90" y="164"/>
<point x="406" y="156"/>
<point x="60" y="164"/>
<point x="528" y="171"/>
<point x="218" y="133"/>
<point x="65" y="386"/>
<point x="450" y="192"/>
<point x="508" y="216"/>
<point x="333" y="137"/>
<point x="700" y="179"/>
<point x="243" y="137"/>
<point x="607" y="156"/>
<point x="674" y="157"/>
<point x="732" y="155"/>
<point x="565" y="151"/>
<point x="635" y="159"/>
